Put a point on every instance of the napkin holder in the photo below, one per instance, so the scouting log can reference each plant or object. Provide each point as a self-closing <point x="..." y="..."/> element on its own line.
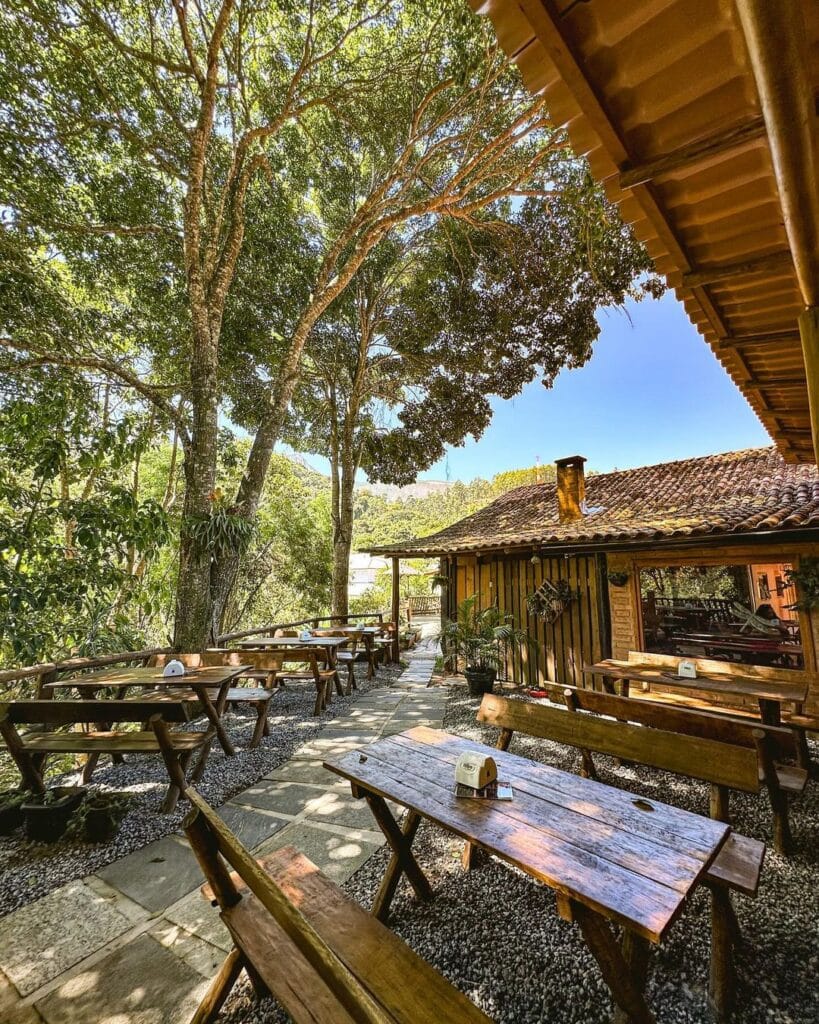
<point x="687" y="670"/>
<point x="173" y="668"/>
<point x="475" y="770"/>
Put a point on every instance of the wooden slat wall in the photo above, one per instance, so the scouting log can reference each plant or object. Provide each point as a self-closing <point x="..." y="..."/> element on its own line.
<point x="562" y="647"/>
<point x="578" y="635"/>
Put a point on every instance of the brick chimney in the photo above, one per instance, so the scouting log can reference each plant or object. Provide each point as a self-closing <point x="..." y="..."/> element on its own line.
<point x="571" y="488"/>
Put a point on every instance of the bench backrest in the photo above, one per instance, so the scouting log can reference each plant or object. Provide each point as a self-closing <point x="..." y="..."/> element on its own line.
<point x="68" y="712"/>
<point x="265" y="661"/>
<point x="722" y="764"/>
<point x="212" y="658"/>
<point x="354" y="638"/>
<point x="214" y="843"/>
<point x="688" y="721"/>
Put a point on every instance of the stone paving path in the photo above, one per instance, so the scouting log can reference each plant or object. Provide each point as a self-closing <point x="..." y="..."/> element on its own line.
<point x="136" y="943"/>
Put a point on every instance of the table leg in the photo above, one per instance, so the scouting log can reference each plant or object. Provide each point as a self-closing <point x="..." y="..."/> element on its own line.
<point x="332" y="660"/>
<point x="724" y="931"/>
<point x="770" y="711"/>
<point x="402" y="861"/>
<point x="214" y="714"/>
<point x="389" y="883"/>
<point x="624" y="970"/>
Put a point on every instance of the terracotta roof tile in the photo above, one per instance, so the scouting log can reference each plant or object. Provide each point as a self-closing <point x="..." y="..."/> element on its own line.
<point x="732" y="493"/>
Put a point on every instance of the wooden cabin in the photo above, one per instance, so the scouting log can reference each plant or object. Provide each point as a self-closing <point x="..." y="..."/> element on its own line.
<point x="691" y="558"/>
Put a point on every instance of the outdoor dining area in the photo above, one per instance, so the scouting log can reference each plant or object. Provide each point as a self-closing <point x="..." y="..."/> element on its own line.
<point x="130" y="703"/>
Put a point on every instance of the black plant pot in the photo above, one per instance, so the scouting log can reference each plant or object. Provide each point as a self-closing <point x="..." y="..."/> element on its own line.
<point x="480" y="680"/>
<point x="102" y="820"/>
<point x="46" y="822"/>
<point x="11" y="811"/>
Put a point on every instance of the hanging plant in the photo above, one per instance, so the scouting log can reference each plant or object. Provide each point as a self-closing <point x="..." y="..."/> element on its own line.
<point x="439" y="582"/>
<point x="224" y="530"/>
<point x="806" y="581"/>
<point x="550" y="600"/>
<point x="618" y="579"/>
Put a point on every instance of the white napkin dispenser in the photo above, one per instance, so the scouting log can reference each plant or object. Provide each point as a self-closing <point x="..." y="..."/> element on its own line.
<point x="687" y="670"/>
<point x="173" y="668"/>
<point x="475" y="770"/>
<point x="305" y="635"/>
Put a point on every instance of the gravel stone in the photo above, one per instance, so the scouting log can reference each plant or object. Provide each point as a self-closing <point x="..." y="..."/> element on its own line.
<point x="495" y="933"/>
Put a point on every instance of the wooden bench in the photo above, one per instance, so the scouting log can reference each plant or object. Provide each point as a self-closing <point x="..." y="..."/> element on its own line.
<point x="777" y="745"/>
<point x="354" y="653"/>
<point x="737" y="866"/>
<point x="386" y="644"/>
<point x="360" y="649"/>
<point x="800" y="721"/>
<point x="300" y="939"/>
<point x="735" y="755"/>
<point x="257" y="696"/>
<point x="315" y="667"/>
<point x="31" y="748"/>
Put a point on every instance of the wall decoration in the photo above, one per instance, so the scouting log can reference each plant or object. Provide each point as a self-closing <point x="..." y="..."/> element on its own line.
<point x="550" y="600"/>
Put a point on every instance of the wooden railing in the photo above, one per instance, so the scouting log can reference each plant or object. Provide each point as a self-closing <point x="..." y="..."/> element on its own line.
<point x="314" y="623"/>
<point x="50" y="671"/>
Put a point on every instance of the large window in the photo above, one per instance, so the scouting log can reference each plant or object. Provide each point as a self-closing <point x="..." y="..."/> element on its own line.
<point x="738" y="613"/>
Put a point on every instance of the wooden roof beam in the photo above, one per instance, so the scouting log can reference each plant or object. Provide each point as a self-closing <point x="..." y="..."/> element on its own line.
<point x="760" y="383"/>
<point x="693" y="153"/>
<point x="544" y="18"/>
<point x="735" y="341"/>
<point x="720" y="271"/>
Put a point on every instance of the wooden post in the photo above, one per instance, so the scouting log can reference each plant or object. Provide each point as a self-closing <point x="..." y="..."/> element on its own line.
<point x="809" y="332"/>
<point x="396" y="609"/>
<point x="778" y="49"/>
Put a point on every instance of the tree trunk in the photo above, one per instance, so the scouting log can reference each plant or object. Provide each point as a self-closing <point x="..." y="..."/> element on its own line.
<point x="194" y="614"/>
<point x="342" y="518"/>
<point x="331" y="283"/>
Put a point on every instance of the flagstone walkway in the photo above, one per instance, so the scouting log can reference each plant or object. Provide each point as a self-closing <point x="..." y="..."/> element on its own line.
<point x="136" y="943"/>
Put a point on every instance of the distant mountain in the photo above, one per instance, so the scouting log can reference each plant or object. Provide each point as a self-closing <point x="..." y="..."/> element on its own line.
<point x="420" y="489"/>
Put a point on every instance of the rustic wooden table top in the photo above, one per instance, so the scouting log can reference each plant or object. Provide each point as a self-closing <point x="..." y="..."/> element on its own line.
<point x="150" y="676"/>
<point x="733" y="685"/>
<point x="632" y="860"/>
<point x="293" y="641"/>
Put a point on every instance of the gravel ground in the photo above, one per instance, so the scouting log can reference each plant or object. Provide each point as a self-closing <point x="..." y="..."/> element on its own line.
<point x="496" y="935"/>
<point x="30" y="870"/>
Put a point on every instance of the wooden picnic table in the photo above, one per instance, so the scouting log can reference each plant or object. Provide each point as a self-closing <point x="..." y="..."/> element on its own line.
<point x="329" y="643"/>
<point x="609" y="855"/>
<point x="769" y="694"/>
<point x="201" y="681"/>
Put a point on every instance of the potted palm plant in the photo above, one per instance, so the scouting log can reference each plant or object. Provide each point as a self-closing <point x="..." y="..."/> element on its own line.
<point x="478" y="638"/>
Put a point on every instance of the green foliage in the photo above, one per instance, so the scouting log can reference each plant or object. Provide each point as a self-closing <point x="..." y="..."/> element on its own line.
<point x="223" y="530"/>
<point x="806" y="580"/>
<point x="71" y="532"/>
<point x="726" y="581"/>
<point x="480" y="637"/>
<point x="378" y="521"/>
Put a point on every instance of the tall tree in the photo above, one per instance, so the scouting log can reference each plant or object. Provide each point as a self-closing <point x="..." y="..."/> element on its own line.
<point x="136" y="138"/>
<point x="438" y="321"/>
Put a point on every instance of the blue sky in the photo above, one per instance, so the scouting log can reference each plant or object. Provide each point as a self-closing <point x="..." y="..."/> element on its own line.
<point x="652" y="392"/>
